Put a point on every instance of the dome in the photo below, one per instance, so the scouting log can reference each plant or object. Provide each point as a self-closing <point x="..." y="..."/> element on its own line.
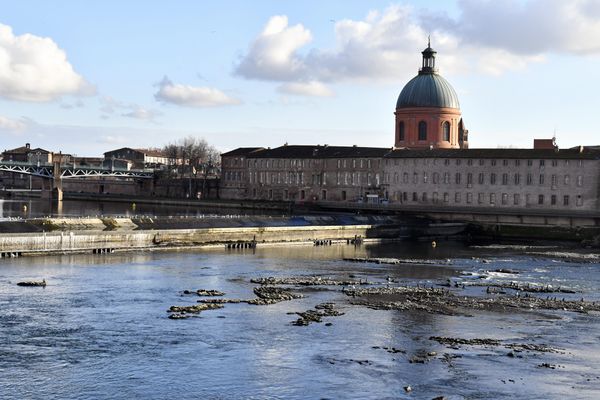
<point x="428" y="90"/>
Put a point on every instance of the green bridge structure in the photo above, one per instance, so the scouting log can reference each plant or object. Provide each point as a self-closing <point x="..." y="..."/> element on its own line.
<point x="53" y="174"/>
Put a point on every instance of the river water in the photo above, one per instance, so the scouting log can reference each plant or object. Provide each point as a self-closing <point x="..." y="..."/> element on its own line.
<point x="35" y="208"/>
<point x="99" y="330"/>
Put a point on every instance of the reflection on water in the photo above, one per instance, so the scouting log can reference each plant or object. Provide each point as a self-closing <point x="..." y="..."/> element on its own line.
<point x="33" y="208"/>
<point x="100" y="329"/>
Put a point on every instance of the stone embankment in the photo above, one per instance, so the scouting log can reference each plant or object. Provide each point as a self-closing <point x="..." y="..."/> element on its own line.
<point x="90" y="241"/>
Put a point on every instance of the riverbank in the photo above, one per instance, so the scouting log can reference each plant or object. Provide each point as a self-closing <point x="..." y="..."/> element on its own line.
<point x="105" y="235"/>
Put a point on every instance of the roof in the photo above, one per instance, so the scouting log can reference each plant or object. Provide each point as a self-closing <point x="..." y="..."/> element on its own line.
<point x="26" y="150"/>
<point x="318" y="151"/>
<point x="573" y="153"/>
<point x="152" y="152"/>
<point x="428" y="90"/>
<point x="241" y="151"/>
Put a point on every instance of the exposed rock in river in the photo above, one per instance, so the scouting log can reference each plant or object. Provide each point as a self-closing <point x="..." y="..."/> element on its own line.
<point x="443" y="301"/>
<point x="271" y="295"/>
<point x="308" y="281"/>
<point x="316" y="315"/>
<point x="204" y="292"/>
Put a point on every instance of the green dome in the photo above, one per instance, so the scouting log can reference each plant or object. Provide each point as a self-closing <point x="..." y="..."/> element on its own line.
<point x="428" y="90"/>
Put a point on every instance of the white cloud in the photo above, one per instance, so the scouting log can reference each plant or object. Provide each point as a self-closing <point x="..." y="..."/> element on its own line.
<point x="313" y="88"/>
<point x="12" y="125"/>
<point x="110" y="106"/>
<point x="272" y="55"/>
<point x="142" y="113"/>
<point x="489" y="37"/>
<point x="34" y="68"/>
<point x="192" y="96"/>
<point x="526" y="27"/>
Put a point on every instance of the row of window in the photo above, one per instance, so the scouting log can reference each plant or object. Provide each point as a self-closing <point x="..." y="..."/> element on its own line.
<point x="376" y="163"/>
<point x="482" y="162"/>
<point x="349" y="179"/>
<point x="482" y="178"/>
<point x="489" y="198"/>
<point x="422" y="131"/>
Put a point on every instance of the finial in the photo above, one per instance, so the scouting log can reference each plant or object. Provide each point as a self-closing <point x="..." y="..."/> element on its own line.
<point x="428" y="40"/>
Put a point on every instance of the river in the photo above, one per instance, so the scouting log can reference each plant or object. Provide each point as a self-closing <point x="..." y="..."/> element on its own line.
<point x="35" y="208"/>
<point x="100" y="328"/>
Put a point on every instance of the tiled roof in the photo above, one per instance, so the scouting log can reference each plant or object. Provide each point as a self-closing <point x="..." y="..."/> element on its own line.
<point x="312" y="151"/>
<point x="573" y="153"/>
<point x="241" y="151"/>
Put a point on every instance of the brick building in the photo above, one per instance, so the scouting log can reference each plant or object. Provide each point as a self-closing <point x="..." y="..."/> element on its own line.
<point x="430" y="166"/>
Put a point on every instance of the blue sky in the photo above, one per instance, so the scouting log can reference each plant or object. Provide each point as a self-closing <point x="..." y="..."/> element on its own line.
<point x="86" y="77"/>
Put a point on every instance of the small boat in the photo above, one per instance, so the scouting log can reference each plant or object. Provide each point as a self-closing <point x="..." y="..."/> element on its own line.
<point x="41" y="283"/>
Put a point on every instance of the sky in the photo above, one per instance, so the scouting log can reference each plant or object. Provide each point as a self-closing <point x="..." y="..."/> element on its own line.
<point x="86" y="77"/>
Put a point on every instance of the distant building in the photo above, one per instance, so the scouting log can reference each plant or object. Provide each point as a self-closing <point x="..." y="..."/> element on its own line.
<point x="430" y="167"/>
<point x="27" y="155"/>
<point x="141" y="158"/>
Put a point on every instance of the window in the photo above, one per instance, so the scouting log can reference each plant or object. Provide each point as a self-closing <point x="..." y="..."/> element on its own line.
<point x="517" y="179"/>
<point x="493" y="163"/>
<point x="480" y="197"/>
<point x="457" y="178"/>
<point x="541" y="179"/>
<point x="469" y="178"/>
<point x="516" y="199"/>
<point x="567" y="179"/>
<point x="324" y="195"/>
<point x="504" y="198"/>
<point x="469" y="198"/>
<point x="422" y="130"/>
<point x="424" y="197"/>
<point x="446" y="177"/>
<point x="529" y="179"/>
<point x="542" y="162"/>
<point x="505" y="162"/>
<point x="469" y="162"/>
<point x="405" y="177"/>
<point x="553" y="200"/>
<point x="414" y="197"/>
<point x="566" y="200"/>
<point x="492" y="198"/>
<point x="424" y="177"/>
<point x="446" y="130"/>
<point x="446" y="197"/>
<point x="481" y="162"/>
<point x="492" y="178"/>
<point x="436" y="177"/>
<point x="579" y="180"/>
<point x="505" y="179"/>
<point x="517" y="163"/>
<point x="529" y="163"/>
<point x="579" y="200"/>
<point x="401" y="131"/>
<point x="481" y="178"/>
<point x="554" y="180"/>
<point x="457" y="197"/>
<point x="554" y="163"/>
<point x="415" y="178"/>
<point x="435" y="197"/>
<point x="541" y="199"/>
<point x="446" y="161"/>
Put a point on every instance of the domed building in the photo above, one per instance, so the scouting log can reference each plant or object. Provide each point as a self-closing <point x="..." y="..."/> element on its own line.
<point x="428" y="112"/>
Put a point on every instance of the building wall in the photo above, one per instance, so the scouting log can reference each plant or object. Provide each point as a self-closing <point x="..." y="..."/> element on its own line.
<point x="434" y="118"/>
<point x="500" y="183"/>
<point x="305" y="179"/>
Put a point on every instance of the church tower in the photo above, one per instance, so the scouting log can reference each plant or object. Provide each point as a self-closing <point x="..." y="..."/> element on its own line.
<point x="427" y="111"/>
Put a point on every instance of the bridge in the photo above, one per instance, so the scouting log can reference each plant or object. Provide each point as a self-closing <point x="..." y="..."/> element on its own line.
<point x="55" y="172"/>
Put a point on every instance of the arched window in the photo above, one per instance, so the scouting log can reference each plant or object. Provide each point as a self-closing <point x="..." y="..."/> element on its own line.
<point x="422" y="130"/>
<point x="446" y="130"/>
<point x="401" y="131"/>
